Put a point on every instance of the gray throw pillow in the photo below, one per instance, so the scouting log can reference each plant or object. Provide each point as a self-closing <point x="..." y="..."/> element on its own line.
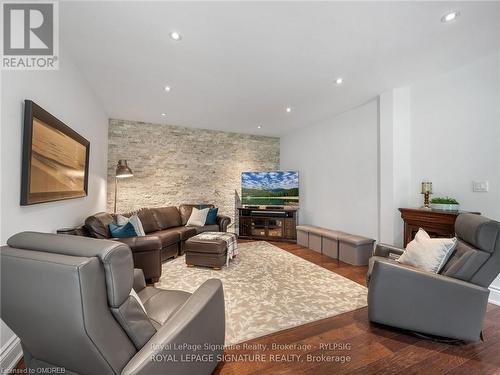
<point x="134" y="220"/>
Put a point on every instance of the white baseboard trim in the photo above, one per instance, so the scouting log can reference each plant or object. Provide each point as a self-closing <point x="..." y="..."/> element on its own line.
<point x="494" y="295"/>
<point x="10" y="354"/>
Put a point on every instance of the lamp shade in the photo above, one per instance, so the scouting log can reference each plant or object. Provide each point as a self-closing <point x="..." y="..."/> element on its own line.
<point x="123" y="170"/>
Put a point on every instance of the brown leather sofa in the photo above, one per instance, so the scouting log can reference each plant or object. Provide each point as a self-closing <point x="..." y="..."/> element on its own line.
<point x="166" y="233"/>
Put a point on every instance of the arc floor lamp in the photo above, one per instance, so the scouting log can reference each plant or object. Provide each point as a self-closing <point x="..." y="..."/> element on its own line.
<point x="122" y="171"/>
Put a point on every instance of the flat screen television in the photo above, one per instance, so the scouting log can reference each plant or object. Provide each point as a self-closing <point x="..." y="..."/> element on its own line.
<point x="274" y="188"/>
<point x="55" y="158"/>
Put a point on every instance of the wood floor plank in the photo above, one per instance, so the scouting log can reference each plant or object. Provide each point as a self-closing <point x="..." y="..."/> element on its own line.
<point x="375" y="349"/>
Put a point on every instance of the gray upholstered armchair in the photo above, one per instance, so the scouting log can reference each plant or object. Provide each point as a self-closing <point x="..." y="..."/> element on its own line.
<point x="68" y="299"/>
<point x="451" y="304"/>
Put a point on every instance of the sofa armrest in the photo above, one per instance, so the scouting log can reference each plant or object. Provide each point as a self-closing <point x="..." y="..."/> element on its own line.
<point x="139" y="280"/>
<point x="146" y="253"/>
<point x="187" y="327"/>
<point x="416" y="300"/>
<point x="383" y="250"/>
<point x="82" y="231"/>
<point x="142" y="243"/>
<point x="223" y="222"/>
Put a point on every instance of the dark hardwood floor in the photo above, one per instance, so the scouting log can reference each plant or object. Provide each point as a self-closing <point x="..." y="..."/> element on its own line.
<point x="372" y="349"/>
<point x="362" y="347"/>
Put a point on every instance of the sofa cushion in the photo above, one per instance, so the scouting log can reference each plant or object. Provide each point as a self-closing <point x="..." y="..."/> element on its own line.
<point x="207" y="228"/>
<point x="186" y="232"/>
<point x="148" y="220"/>
<point x="464" y="262"/>
<point x="167" y="237"/>
<point x="183" y="232"/>
<point x="98" y="225"/>
<point x="166" y="217"/>
<point x="185" y="210"/>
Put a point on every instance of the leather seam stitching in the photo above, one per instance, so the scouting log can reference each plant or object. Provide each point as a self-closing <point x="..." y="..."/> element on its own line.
<point x="47" y="261"/>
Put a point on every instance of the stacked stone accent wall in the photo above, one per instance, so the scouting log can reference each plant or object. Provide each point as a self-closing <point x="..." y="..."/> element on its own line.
<point x="174" y="165"/>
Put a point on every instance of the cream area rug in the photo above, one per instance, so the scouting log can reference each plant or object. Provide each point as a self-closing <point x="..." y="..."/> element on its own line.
<point x="267" y="289"/>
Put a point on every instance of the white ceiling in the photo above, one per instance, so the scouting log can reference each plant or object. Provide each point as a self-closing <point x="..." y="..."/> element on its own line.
<point x="240" y="64"/>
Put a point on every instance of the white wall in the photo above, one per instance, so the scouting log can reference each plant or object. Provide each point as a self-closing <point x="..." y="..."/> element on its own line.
<point x="455" y="134"/>
<point x="455" y="137"/>
<point x="337" y="164"/>
<point x="65" y="94"/>
<point x="394" y="163"/>
<point x="444" y="128"/>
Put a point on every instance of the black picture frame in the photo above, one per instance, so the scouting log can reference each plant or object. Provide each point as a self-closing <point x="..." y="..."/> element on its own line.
<point x="61" y="131"/>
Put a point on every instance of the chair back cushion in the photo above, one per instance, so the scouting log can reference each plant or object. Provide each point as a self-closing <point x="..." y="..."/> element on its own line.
<point x="464" y="262"/>
<point x="166" y="217"/>
<point x="115" y="256"/>
<point x="481" y="234"/>
<point x="479" y="231"/>
<point x="148" y="220"/>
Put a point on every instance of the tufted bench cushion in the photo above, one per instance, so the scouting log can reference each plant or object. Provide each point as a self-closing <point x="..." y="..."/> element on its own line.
<point x="349" y="248"/>
<point x="354" y="249"/>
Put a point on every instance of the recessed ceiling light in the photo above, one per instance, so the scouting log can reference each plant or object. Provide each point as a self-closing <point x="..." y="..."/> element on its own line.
<point x="163" y="114"/>
<point x="450" y="16"/>
<point x="259" y="127"/>
<point x="167" y="88"/>
<point x="339" y="81"/>
<point x="175" y="35"/>
<point x="288" y="109"/>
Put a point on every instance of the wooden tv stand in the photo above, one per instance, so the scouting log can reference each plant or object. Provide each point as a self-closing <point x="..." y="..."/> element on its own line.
<point x="268" y="223"/>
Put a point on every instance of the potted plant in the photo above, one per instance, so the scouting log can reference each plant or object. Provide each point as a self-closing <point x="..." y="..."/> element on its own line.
<point x="447" y="204"/>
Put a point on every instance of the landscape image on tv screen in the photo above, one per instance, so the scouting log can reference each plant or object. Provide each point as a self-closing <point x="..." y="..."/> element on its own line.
<point x="275" y="188"/>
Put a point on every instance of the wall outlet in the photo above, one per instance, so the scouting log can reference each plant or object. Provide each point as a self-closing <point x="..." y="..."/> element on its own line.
<point x="480" y="186"/>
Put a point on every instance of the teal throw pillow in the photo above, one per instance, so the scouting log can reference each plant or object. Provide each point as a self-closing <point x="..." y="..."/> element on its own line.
<point x="212" y="216"/>
<point x="122" y="231"/>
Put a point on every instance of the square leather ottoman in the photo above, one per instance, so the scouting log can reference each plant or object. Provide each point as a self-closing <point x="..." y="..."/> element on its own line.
<point x="206" y="253"/>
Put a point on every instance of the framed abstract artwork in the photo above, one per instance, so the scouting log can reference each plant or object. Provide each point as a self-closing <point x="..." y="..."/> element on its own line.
<point x="55" y="159"/>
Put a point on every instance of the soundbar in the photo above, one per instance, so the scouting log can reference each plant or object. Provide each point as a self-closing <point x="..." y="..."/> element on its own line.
<point x="268" y="213"/>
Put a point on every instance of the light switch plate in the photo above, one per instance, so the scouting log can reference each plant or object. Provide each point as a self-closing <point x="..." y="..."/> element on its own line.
<point x="480" y="186"/>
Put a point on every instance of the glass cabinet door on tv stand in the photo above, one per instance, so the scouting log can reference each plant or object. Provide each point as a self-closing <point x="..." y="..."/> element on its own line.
<point x="275" y="228"/>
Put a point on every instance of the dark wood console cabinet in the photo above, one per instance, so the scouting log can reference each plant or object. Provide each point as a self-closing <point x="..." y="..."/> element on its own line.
<point x="435" y="222"/>
<point x="274" y="224"/>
